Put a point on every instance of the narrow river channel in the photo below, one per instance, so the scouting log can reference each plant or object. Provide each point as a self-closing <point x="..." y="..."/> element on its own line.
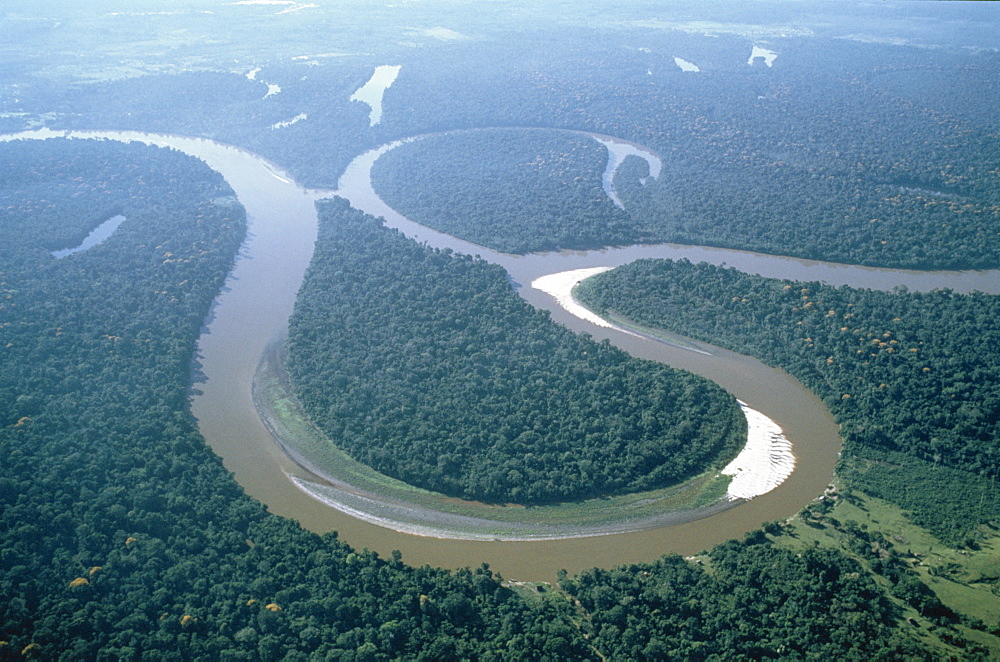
<point x="254" y="307"/>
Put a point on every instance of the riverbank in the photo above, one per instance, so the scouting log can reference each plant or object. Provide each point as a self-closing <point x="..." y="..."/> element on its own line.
<point x="253" y="309"/>
<point x="332" y="477"/>
<point x="560" y="287"/>
<point x="766" y="460"/>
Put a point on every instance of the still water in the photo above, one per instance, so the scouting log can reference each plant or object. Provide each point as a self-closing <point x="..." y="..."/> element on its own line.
<point x="254" y="307"/>
<point x="373" y="91"/>
<point x="96" y="236"/>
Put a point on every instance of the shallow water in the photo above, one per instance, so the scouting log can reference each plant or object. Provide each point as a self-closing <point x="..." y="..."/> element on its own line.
<point x="763" y="53"/>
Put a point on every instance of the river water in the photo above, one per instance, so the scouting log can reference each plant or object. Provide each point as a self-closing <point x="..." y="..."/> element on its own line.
<point x="254" y="307"/>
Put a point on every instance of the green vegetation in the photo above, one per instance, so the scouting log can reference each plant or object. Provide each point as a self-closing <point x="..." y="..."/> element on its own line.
<point x="428" y="367"/>
<point x="123" y="537"/>
<point x="851" y="577"/>
<point x="913" y="379"/>
<point x="752" y="601"/>
<point x="957" y="603"/>
<point x="514" y="190"/>
<point x="806" y="164"/>
<point x="835" y="154"/>
<point x="121" y="534"/>
<point x="426" y="511"/>
<point x="849" y="173"/>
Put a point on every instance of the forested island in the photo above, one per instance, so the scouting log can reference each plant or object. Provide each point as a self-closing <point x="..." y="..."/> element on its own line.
<point x="427" y="366"/>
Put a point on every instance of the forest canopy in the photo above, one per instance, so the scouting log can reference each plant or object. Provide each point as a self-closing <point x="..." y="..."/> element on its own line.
<point x="513" y="190"/>
<point x="913" y="378"/>
<point x="427" y="366"/>
<point x="871" y="138"/>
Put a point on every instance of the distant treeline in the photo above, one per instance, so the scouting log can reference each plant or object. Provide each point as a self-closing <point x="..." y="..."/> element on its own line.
<point x="824" y="156"/>
<point x="853" y="152"/>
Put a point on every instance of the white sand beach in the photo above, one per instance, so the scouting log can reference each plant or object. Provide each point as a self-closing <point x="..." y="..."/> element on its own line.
<point x="766" y="460"/>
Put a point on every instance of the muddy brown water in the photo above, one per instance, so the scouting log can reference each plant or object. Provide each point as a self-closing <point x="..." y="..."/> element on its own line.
<point x="254" y="307"/>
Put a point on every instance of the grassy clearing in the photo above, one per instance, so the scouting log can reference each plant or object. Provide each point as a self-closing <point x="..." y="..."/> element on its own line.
<point x="966" y="581"/>
<point x="535" y="593"/>
<point x="317" y="453"/>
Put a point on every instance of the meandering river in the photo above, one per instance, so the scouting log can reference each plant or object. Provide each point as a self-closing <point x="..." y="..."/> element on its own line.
<point x="254" y="307"/>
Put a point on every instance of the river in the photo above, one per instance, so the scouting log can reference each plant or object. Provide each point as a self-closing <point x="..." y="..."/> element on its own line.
<point x="254" y="307"/>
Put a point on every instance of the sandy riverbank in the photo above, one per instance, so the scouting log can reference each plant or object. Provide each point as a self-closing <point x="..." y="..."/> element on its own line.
<point x="766" y="460"/>
<point x="332" y="477"/>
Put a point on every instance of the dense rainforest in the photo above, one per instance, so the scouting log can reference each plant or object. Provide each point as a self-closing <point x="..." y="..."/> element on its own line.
<point x="121" y="534"/>
<point x="123" y="537"/>
<point x="822" y="162"/>
<point x="837" y="152"/>
<point x="513" y="190"/>
<point x="912" y="378"/>
<point x="427" y="366"/>
<point x="800" y="599"/>
<point x="872" y="139"/>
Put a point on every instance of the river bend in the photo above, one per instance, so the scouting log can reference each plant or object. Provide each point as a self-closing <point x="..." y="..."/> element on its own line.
<point x="254" y="307"/>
